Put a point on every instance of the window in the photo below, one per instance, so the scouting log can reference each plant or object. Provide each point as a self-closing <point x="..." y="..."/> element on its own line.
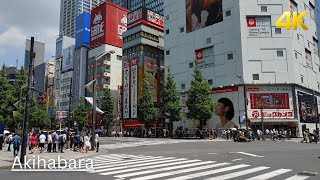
<point x="255" y="76"/>
<point x="167" y="31"/>
<point x="210" y="82"/>
<point x="319" y="68"/>
<point x="119" y="57"/>
<point x="183" y="86"/>
<point x="296" y="55"/>
<point x="277" y="30"/>
<point x="318" y="86"/>
<point x="230" y="56"/>
<point x="308" y="44"/>
<point x="298" y="37"/>
<point x="167" y="17"/>
<point x="181" y="29"/>
<point x="190" y="65"/>
<point x="228" y="13"/>
<point x="301" y="79"/>
<point x="264" y="8"/>
<point x="280" y="53"/>
<point x="167" y="52"/>
<point x="208" y="40"/>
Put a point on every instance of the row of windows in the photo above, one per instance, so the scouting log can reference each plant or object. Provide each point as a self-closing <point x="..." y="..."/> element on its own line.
<point x="141" y="34"/>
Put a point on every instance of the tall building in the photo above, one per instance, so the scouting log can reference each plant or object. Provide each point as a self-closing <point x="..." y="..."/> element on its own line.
<point x="317" y="11"/>
<point x="12" y="73"/>
<point x="236" y="43"/>
<point x="154" y="5"/>
<point x="69" y="10"/>
<point x="143" y="56"/>
<point x="41" y="73"/>
<point x="38" y="49"/>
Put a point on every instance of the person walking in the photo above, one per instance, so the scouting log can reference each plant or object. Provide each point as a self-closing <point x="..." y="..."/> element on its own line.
<point x="16" y="144"/>
<point x="55" y="141"/>
<point x="62" y="140"/>
<point x="96" y="140"/>
<point x="33" y="142"/>
<point x="49" y="142"/>
<point x="87" y="143"/>
<point x="42" y="141"/>
<point x="9" y="140"/>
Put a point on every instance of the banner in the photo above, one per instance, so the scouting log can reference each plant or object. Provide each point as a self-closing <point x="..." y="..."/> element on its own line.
<point x="150" y="73"/>
<point x="307" y="107"/>
<point x="269" y="100"/>
<point x="126" y="86"/>
<point x="119" y="102"/>
<point x="134" y="87"/>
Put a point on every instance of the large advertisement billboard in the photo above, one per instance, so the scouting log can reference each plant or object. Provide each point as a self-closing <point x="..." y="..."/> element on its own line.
<point x="147" y="17"/>
<point x="307" y="107"/>
<point x="83" y="30"/>
<point x="67" y="59"/>
<point x="126" y="88"/>
<point x="203" y="13"/>
<point x="108" y="22"/>
<point x="134" y="87"/>
<point x="150" y="73"/>
<point x="270" y="101"/>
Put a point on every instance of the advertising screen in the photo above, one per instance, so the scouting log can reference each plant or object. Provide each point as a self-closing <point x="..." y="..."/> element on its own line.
<point x="203" y="13"/>
<point x="83" y="30"/>
<point x="307" y="107"/>
<point x="270" y="101"/>
<point x="67" y="59"/>
<point x="150" y="73"/>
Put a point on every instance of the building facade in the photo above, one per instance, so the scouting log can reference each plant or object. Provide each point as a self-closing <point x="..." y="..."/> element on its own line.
<point x="143" y="52"/>
<point x="69" y="10"/>
<point x="12" y="73"/>
<point x="38" y="49"/>
<point x="317" y="11"/>
<point x="154" y="5"/>
<point x="236" y="43"/>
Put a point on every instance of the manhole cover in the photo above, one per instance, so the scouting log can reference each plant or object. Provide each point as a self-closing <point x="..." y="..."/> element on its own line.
<point x="306" y="173"/>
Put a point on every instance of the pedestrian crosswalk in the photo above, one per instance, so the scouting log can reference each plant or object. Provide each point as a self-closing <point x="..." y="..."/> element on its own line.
<point x="140" y="167"/>
<point x="137" y="144"/>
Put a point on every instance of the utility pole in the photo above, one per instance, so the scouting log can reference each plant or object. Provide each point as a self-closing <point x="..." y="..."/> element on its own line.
<point x="70" y="96"/>
<point x="27" y="106"/>
<point x="315" y="117"/>
<point x="245" y="101"/>
<point x="94" y="105"/>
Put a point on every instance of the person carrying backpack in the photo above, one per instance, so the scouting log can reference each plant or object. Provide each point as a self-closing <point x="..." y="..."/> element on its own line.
<point x="16" y="144"/>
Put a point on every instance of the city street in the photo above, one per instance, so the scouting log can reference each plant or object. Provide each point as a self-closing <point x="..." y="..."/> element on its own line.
<point x="141" y="159"/>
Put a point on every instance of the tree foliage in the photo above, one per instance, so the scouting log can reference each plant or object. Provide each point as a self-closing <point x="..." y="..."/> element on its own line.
<point x="80" y="114"/>
<point x="107" y="106"/>
<point x="146" y="110"/>
<point x="171" y="105"/>
<point x="199" y="103"/>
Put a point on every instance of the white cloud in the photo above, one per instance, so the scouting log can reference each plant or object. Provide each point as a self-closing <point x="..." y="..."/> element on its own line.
<point x="2" y="51"/>
<point x="12" y="37"/>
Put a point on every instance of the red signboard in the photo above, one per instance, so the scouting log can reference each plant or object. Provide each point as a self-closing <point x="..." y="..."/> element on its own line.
<point x="251" y="21"/>
<point x="108" y="22"/>
<point x="224" y="90"/>
<point x="257" y="114"/>
<point x="138" y="124"/>
<point x="269" y="100"/>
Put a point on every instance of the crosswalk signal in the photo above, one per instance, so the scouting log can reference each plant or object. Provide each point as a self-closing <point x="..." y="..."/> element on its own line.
<point x="40" y="100"/>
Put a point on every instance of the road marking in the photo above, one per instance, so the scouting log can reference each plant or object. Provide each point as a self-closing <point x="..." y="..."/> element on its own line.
<point x="297" y="177"/>
<point x="213" y="153"/>
<point x="138" y="165"/>
<point x="180" y="171"/>
<point x="237" y="159"/>
<point x="248" y="154"/>
<point x="270" y="174"/>
<point x="239" y="173"/>
<point x="149" y="167"/>
<point x="143" y="171"/>
<point x="206" y="173"/>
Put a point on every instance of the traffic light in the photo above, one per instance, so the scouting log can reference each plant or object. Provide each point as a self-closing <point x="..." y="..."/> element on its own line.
<point x="40" y="100"/>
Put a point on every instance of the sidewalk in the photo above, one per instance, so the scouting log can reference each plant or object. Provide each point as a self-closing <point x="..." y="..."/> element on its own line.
<point x="7" y="159"/>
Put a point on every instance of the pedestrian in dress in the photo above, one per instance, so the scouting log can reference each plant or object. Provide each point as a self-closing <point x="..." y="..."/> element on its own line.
<point x="33" y="142"/>
<point x="87" y="142"/>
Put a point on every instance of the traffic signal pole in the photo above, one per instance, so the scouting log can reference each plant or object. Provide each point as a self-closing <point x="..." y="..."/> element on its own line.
<point x="27" y="106"/>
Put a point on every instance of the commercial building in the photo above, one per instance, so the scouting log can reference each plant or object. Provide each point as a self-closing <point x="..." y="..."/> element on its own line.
<point x="108" y="22"/>
<point x="38" y="49"/>
<point x="69" y="10"/>
<point x="154" y="5"/>
<point x="11" y="73"/>
<point x="143" y="52"/>
<point x="236" y="43"/>
<point x="317" y="11"/>
<point x="41" y="73"/>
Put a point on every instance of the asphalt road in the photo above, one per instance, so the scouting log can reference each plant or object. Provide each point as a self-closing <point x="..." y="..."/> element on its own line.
<point x="174" y="159"/>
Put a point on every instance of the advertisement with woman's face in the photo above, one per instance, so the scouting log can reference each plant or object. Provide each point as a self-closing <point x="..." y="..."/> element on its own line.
<point x="225" y="112"/>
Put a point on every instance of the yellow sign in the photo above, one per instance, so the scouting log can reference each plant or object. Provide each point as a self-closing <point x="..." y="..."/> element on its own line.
<point x="296" y="19"/>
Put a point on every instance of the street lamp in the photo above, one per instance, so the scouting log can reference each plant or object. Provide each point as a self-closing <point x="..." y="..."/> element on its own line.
<point x="91" y="87"/>
<point x="245" y="100"/>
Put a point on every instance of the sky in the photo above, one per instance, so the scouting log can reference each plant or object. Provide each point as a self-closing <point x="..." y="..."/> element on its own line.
<point x="21" y="19"/>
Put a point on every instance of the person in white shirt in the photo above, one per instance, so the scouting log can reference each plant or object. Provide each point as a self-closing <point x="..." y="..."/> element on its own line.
<point x="49" y="142"/>
<point x="96" y="140"/>
<point x="87" y="143"/>
<point x="42" y="140"/>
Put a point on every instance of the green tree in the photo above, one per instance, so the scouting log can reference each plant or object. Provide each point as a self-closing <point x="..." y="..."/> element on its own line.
<point x="171" y="105"/>
<point x="107" y="106"/>
<point x="80" y="114"/>
<point x="39" y="117"/>
<point x="199" y="103"/>
<point x="147" y="111"/>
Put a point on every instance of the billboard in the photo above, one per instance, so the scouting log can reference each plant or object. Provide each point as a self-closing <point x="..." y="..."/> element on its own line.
<point x="119" y="102"/>
<point x="147" y="17"/>
<point x="150" y="73"/>
<point x="259" y="26"/>
<point x="83" y="30"/>
<point x="126" y="88"/>
<point x="135" y="16"/>
<point x="270" y="101"/>
<point x="307" y="107"/>
<point x="134" y="87"/>
<point x="108" y="22"/>
<point x="203" y="13"/>
<point x="67" y="59"/>
<point x="205" y="57"/>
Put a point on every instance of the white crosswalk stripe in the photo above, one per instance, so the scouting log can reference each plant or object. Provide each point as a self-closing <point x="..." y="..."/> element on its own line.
<point x="140" y="167"/>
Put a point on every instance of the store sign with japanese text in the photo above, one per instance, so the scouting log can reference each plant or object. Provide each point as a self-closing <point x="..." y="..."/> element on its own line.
<point x="205" y="57"/>
<point x="134" y="87"/>
<point x="259" y="26"/>
<point x="155" y="18"/>
<point x="119" y="102"/>
<point x="126" y="88"/>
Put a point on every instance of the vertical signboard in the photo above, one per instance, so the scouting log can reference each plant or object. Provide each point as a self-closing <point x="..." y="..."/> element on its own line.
<point x="67" y="59"/>
<point x="83" y="30"/>
<point x="150" y="73"/>
<point x="119" y="102"/>
<point x="134" y="87"/>
<point x="126" y="87"/>
<point x="307" y="107"/>
<point x="98" y="27"/>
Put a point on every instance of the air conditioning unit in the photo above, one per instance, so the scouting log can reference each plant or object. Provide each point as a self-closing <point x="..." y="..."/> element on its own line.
<point x="106" y="74"/>
<point x="106" y="86"/>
